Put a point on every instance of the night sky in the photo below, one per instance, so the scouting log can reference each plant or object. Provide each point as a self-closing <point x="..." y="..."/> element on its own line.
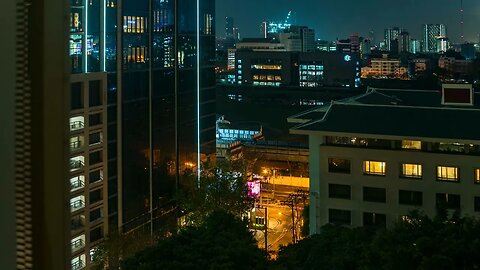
<point x="332" y="19"/>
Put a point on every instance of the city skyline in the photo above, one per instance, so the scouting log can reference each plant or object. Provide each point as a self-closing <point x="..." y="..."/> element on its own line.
<point x="332" y="20"/>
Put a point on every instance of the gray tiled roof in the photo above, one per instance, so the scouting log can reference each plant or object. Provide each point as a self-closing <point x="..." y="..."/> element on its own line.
<point x="397" y="113"/>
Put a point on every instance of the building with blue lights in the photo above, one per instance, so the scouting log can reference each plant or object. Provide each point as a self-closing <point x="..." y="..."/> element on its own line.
<point x="313" y="69"/>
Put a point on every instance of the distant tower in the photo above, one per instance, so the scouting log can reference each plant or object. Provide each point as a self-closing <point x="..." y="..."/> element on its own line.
<point x="229" y="26"/>
<point x="462" y="36"/>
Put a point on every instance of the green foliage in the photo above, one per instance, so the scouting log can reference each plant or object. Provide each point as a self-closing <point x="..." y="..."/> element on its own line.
<point x="419" y="243"/>
<point x="116" y="246"/>
<point x="222" y="188"/>
<point x="223" y="241"/>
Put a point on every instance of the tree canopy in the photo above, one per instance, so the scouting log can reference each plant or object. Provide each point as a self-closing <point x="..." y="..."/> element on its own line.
<point x="417" y="243"/>
<point x="222" y="242"/>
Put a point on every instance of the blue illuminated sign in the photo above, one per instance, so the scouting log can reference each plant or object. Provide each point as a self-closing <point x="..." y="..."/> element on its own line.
<point x="347" y="58"/>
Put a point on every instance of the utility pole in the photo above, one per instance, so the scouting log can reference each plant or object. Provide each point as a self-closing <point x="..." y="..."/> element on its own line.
<point x="292" y="201"/>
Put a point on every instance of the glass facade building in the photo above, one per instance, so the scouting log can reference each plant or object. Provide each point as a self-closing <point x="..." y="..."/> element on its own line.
<point x="166" y="95"/>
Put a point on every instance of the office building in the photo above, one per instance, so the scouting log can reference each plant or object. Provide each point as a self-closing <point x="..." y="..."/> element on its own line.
<point x="298" y="39"/>
<point x="404" y="42"/>
<point x="430" y="34"/>
<point x="391" y="34"/>
<point x="34" y="108"/>
<point x="165" y="105"/>
<point x="443" y="44"/>
<point x="365" y="173"/>
<point x="297" y="69"/>
<point x="415" y="46"/>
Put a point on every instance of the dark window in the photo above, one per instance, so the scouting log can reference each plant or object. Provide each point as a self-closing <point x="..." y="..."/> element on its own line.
<point x="96" y="234"/>
<point x="95" y="138"/>
<point x="95" y="214"/>
<point x="374" y="194"/>
<point x="95" y="157"/>
<point x="76" y="96"/>
<point x="339" y="217"/>
<point x="374" y="219"/>
<point x="95" y="119"/>
<point x="410" y="197"/>
<point x="339" y="191"/>
<point x="95" y="93"/>
<point x="448" y="201"/>
<point x="477" y="204"/>
<point x="337" y="165"/>
<point x="95" y="196"/>
<point x="96" y="176"/>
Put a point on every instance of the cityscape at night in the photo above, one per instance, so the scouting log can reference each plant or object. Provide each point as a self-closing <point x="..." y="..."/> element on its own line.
<point x="203" y="134"/>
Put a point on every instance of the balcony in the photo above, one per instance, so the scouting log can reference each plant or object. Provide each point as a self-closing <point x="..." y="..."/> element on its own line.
<point x="77" y="223"/>
<point x="75" y="145"/>
<point x="77" y="125"/>
<point x="77" y="265"/>
<point x="77" y="183"/>
<point x="77" y="163"/>
<point x="77" y="203"/>
<point x="77" y="243"/>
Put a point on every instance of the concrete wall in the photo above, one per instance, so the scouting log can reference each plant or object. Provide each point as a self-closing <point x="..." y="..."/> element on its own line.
<point x="429" y="185"/>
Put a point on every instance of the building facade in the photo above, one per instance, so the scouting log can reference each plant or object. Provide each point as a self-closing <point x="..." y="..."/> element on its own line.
<point x="430" y="34"/>
<point x="297" y="69"/>
<point x="374" y="175"/>
<point x="166" y="98"/>
<point x="88" y="129"/>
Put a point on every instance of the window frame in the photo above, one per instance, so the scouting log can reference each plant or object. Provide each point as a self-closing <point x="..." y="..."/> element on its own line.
<point x="446" y="179"/>
<point x="369" y="172"/>
<point x="419" y="168"/>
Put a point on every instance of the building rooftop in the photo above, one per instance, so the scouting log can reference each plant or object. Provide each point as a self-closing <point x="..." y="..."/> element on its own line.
<point x="387" y="112"/>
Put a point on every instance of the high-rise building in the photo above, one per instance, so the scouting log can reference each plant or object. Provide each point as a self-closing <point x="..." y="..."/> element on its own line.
<point x="415" y="46"/>
<point x="430" y="34"/>
<point x="229" y="27"/>
<point x="34" y="186"/>
<point x="298" y="39"/>
<point x="404" y="42"/>
<point x="166" y="105"/>
<point x="443" y="44"/>
<point x="88" y="130"/>
<point x="391" y="34"/>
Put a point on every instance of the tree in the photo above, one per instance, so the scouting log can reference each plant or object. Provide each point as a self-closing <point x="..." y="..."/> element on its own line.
<point x="222" y="241"/>
<point x="418" y="242"/>
<point x="222" y="187"/>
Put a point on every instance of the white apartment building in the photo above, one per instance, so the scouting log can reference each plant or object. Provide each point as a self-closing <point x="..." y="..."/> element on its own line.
<point x="378" y="156"/>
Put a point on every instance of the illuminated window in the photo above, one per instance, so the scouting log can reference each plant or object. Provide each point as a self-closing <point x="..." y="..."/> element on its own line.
<point x="406" y="144"/>
<point x="447" y="173"/>
<point x="412" y="170"/>
<point x="274" y="67"/>
<point x="374" y="167"/>
<point x="477" y="176"/>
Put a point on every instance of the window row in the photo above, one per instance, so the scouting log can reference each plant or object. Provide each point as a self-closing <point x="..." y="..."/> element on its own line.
<point x="344" y="217"/>
<point x="407" y="170"/>
<point x="405" y="197"/>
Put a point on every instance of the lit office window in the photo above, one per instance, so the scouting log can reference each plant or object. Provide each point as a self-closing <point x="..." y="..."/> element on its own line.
<point x="445" y="173"/>
<point x="477" y="176"/>
<point x="407" y="144"/>
<point x="412" y="170"/>
<point x="374" y="167"/>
